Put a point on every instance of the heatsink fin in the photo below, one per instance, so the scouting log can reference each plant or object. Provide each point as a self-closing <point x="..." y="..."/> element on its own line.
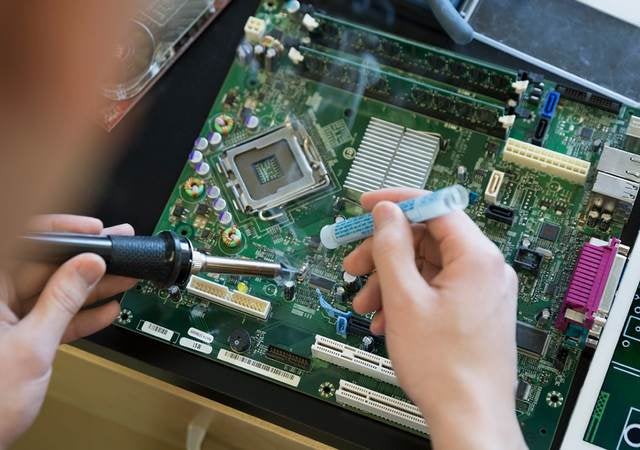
<point x="391" y="155"/>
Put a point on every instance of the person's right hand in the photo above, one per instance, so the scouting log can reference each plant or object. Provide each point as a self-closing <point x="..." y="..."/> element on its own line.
<point x="446" y="303"/>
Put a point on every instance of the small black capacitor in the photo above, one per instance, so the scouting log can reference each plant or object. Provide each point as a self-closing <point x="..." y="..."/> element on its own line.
<point x="352" y="283"/>
<point x="367" y="343"/>
<point x="289" y="290"/>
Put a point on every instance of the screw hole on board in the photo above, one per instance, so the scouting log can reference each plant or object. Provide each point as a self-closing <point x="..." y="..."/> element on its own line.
<point x="543" y="431"/>
<point x="348" y="112"/>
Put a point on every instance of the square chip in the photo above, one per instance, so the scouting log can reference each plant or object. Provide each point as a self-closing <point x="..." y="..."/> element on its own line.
<point x="274" y="168"/>
<point x="549" y="232"/>
<point x="586" y="133"/>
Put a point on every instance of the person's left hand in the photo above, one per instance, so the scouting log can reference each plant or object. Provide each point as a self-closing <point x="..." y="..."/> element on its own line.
<point x="40" y="307"/>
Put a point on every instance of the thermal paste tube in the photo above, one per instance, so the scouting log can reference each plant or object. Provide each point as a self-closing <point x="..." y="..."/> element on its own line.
<point x="419" y="209"/>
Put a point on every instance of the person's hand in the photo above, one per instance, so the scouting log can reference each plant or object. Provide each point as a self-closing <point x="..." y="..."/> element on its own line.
<point x="39" y="309"/>
<point x="446" y="303"/>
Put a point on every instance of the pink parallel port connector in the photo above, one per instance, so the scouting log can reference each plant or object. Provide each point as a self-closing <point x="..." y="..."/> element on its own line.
<point x="587" y="284"/>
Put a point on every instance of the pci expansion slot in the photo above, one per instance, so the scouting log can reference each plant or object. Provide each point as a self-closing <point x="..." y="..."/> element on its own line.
<point x="354" y="359"/>
<point x="380" y="405"/>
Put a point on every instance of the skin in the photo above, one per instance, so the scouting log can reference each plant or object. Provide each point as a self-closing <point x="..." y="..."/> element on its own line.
<point x="446" y="302"/>
<point x="41" y="307"/>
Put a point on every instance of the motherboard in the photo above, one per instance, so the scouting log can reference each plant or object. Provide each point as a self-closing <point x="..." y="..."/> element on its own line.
<point x="315" y="111"/>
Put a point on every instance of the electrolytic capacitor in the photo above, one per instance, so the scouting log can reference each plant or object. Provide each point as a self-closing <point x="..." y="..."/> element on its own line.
<point x="258" y="52"/>
<point x="201" y="144"/>
<point x="215" y="139"/>
<point x="340" y="292"/>
<point x="244" y="52"/>
<point x="543" y="316"/>
<point x="252" y="122"/>
<point x="289" y="290"/>
<point x="461" y="174"/>
<point x="226" y="219"/>
<point x="592" y="218"/>
<point x="213" y="192"/>
<point x="219" y="205"/>
<point x="203" y="168"/>
<point x="367" y="343"/>
<point x="269" y="59"/>
<point x="352" y="283"/>
<point x="195" y="157"/>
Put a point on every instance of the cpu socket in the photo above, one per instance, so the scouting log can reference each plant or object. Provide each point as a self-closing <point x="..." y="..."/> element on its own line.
<point x="274" y="168"/>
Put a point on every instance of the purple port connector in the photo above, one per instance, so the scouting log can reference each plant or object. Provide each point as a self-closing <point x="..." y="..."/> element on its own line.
<point x="587" y="283"/>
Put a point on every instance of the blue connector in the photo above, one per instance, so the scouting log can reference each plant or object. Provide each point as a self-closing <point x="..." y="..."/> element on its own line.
<point x="550" y="105"/>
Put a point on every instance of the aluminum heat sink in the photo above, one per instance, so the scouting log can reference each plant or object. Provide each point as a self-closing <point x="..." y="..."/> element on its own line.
<point x="391" y="155"/>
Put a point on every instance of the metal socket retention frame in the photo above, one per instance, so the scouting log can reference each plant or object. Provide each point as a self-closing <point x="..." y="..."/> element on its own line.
<point x="297" y="161"/>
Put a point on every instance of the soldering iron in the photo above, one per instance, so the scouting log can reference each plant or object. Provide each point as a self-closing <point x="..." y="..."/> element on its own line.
<point x="166" y="258"/>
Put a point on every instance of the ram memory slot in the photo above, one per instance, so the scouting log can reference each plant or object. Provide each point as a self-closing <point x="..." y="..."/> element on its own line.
<point x="403" y="92"/>
<point x="415" y="58"/>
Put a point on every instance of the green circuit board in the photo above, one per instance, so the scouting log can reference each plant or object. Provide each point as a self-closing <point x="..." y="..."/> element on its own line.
<point x="327" y="95"/>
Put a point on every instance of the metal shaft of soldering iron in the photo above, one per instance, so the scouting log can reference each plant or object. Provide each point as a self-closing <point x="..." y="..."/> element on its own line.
<point x="165" y="258"/>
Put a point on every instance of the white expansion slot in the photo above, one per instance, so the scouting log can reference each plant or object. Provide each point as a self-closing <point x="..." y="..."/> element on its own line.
<point x="354" y="359"/>
<point x="380" y="405"/>
<point x="222" y="295"/>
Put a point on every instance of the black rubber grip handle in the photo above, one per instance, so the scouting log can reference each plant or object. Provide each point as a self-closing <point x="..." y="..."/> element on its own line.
<point x="155" y="258"/>
<point x="165" y="258"/>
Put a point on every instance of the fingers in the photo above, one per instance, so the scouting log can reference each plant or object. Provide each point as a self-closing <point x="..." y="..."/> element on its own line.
<point x="369" y="298"/>
<point x="369" y="199"/>
<point x="378" y="323"/>
<point x="360" y="260"/>
<point x="90" y="321"/>
<point x="31" y="277"/>
<point x="65" y="223"/>
<point x="455" y="235"/>
<point x="394" y="256"/>
<point x="63" y="296"/>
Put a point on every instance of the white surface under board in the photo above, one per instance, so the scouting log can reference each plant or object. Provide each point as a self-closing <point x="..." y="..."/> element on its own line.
<point x="627" y="10"/>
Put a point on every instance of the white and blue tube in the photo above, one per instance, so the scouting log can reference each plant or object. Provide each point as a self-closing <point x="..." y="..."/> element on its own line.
<point x="419" y="209"/>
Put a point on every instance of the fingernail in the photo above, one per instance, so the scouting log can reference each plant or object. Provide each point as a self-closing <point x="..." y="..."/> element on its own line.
<point x="90" y="273"/>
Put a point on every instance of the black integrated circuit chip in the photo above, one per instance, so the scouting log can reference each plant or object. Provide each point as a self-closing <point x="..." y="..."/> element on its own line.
<point x="549" y="232"/>
<point x="586" y="133"/>
<point x="321" y="282"/>
<point x="202" y="209"/>
<point x="531" y="339"/>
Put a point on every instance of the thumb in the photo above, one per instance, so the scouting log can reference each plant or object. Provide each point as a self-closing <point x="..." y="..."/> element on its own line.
<point x="62" y="297"/>
<point x="394" y="255"/>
